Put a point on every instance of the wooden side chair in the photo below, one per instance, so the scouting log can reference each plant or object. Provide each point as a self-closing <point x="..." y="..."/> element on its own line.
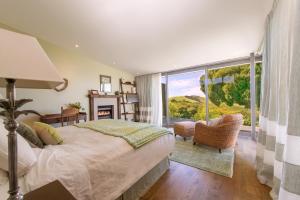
<point x="69" y="115"/>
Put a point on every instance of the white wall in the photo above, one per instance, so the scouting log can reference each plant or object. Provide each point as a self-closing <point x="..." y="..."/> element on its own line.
<point x="83" y="75"/>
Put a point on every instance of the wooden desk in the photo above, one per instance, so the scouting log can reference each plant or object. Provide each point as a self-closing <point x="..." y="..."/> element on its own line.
<point x="55" y="118"/>
<point x="52" y="191"/>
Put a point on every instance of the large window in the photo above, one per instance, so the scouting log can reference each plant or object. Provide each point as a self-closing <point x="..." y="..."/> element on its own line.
<point x="229" y="92"/>
<point x="226" y="90"/>
<point x="185" y="98"/>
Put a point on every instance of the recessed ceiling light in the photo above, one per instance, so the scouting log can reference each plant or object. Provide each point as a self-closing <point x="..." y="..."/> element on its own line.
<point x="76" y="45"/>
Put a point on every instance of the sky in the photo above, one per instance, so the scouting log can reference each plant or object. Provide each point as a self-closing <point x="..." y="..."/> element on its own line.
<point x="185" y="84"/>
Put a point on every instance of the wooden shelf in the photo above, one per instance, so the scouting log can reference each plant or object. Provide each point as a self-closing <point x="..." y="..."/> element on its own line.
<point x="132" y="84"/>
<point x="129" y="98"/>
<point x="128" y="113"/>
<point x="130" y="103"/>
<point x="128" y="93"/>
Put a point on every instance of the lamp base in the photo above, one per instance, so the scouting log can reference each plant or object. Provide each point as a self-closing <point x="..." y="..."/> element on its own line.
<point x="10" y="113"/>
<point x="17" y="196"/>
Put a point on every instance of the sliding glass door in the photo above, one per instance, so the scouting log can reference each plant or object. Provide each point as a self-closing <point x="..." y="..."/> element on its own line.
<point x="185" y="101"/>
<point x="210" y="92"/>
<point x="229" y="92"/>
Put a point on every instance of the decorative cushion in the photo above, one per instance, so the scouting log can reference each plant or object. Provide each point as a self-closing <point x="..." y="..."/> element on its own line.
<point x="231" y="118"/>
<point x="215" y="122"/>
<point x="3" y="177"/>
<point x="30" y="135"/>
<point x="47" y="133"/>
<point x="26" y="156"/>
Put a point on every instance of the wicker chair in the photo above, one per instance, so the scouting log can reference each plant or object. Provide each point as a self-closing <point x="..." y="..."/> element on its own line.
<point x="222" y="133"/>
<point x="69" y="115"/>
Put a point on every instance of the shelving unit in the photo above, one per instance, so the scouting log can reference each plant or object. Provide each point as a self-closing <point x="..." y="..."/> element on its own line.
<point x="129" y="98"/>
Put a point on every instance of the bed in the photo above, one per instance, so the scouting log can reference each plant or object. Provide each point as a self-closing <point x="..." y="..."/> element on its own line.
<point x="94" y="166"/>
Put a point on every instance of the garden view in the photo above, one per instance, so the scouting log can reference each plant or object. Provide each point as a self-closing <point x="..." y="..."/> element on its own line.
<point x="228" y="93"/>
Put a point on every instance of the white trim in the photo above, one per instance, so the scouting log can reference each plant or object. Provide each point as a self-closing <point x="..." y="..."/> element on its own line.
<point x="271" y="128"/>
<point x="292" y="150"/>
<point x="269" y="157"/>
<point x="278" y="166"/>
<point x="285" y="195"/>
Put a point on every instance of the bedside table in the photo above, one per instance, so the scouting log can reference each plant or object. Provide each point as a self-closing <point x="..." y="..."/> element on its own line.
<point x="54" y="190"/>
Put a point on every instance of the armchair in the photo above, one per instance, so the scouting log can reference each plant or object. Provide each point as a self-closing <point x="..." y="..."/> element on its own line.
<point x="221" y="134"/>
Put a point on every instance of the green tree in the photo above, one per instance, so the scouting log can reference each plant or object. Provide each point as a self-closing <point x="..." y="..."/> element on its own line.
<point x="231" y="85"/>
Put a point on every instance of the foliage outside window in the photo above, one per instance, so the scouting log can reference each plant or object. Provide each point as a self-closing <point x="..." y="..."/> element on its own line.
<point x="228" y="93"/>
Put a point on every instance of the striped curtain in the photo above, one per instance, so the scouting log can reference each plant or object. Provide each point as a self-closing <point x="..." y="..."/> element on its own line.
<point x="150" y="98"/>
<point x="278" y="148"/>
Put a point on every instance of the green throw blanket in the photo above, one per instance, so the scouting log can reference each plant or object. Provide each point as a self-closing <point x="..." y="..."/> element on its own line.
<point x="136" y="134"/>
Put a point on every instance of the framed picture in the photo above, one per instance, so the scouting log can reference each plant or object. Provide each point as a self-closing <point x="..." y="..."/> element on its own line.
<point x="94" y="92"/>
<point x="105" y="83"/>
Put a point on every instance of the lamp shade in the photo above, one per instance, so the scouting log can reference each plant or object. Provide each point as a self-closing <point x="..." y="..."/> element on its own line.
<point x="23" y="59"/>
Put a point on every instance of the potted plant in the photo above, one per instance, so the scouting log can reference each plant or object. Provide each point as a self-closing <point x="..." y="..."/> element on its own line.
<point x="76" y="105"/>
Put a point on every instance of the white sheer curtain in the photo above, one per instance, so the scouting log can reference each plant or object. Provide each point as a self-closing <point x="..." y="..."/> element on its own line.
<point x="150" y="98"/>
<point x="278" y="148"/>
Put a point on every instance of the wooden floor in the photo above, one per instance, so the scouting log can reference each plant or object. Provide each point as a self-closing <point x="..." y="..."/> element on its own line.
<point x="182" y="182"/>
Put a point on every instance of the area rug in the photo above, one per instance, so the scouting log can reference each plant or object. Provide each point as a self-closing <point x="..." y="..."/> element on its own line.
<point x="204" y="157"/>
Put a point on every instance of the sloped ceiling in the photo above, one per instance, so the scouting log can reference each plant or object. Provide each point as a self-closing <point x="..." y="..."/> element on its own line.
<point x="144" y="36"/>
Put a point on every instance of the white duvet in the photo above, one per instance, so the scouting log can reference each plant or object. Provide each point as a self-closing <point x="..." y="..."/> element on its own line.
<point x="92" y="165"/>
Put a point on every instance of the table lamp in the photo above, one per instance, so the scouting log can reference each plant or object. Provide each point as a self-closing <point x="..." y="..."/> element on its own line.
<point x="23" y="64"/>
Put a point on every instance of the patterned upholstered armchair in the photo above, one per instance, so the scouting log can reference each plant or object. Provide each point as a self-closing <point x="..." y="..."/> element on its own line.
<point x="220" y="133"/>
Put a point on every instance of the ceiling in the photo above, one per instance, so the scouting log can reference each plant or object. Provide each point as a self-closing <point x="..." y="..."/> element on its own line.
<point x="145" y="36"/>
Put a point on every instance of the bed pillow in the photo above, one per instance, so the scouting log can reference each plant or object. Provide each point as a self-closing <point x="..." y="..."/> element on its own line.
<point x="47" y="133"/>
<point x="30" y="135"/>
<point x="3" y="177"/>
<point x="26" y="156"/>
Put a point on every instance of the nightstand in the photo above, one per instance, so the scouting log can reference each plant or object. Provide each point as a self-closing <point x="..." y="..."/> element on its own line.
<point x="54" y="190"/>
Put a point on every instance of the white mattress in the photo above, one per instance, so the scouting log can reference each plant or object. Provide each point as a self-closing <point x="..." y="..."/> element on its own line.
<point x="92" y="165"/>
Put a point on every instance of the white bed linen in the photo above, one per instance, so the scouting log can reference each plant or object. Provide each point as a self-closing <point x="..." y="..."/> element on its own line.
<point x="92" y="165"/>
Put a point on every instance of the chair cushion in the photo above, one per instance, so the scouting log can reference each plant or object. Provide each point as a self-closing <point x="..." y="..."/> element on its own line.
<point x="215" y="122"/>
<point x="230" y="118"/>
<point x="30" y="135"/>
<point x="48" y="134"/>
<point x="185" y="128"/>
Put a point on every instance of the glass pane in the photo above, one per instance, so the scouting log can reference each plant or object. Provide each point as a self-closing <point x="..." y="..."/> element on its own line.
<point x="229" y="92"/>
<point x="186" y="99"/>
<point x="164" y="108"/>
<point x="258" y="70"/>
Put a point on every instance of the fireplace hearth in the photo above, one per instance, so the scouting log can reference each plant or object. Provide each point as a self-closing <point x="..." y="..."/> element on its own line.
<point x="106" y="112"/>
<point x="104" y="107"/>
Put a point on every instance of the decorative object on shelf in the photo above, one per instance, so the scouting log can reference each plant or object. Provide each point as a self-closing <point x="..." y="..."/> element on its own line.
<point x="94" y="92"/>
<point x="133" y="89"/>
<point x="129" y="99"/>
<point x="24" y="64"/>
<point x="62" y="86"/>
<point x="105" y="84"/>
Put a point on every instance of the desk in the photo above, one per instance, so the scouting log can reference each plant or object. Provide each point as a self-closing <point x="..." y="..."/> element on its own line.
<point x="55" y="118"/>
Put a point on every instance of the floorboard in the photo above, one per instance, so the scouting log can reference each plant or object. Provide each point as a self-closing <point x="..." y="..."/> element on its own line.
<point x="182" y="182"/>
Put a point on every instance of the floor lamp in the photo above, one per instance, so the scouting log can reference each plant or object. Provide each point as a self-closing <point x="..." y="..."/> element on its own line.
<point x="23" y="64"/>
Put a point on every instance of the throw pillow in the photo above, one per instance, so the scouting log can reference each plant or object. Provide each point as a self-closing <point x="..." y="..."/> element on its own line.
<point x="47" y="133"/>
<point x="215" y="122"/>
<point x="29" y="134"/>
<point x="26" y="156"/>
